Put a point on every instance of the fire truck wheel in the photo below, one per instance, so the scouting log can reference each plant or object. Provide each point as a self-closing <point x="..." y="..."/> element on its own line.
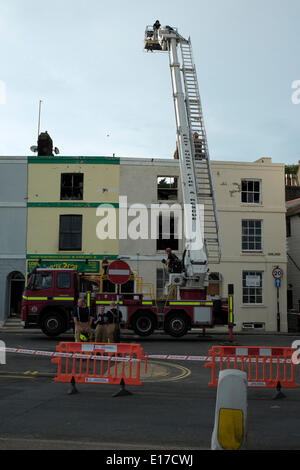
<point x="177" y="325"/>
<point x="143" y="324"/>
<point x="53" y="324"/>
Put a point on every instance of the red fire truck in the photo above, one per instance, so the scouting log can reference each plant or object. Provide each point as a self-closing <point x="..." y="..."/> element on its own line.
<point x="51" y="294"/>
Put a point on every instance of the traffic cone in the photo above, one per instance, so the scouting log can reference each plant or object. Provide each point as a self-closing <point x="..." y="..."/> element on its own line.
<point x="123" y="392"/>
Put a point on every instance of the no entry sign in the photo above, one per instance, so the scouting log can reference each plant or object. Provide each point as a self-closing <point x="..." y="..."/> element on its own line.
<point x="118" y="272"/>
<point x="277" y="273"/>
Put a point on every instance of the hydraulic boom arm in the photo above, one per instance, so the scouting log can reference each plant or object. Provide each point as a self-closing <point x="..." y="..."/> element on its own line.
<point x="196" y="180"/>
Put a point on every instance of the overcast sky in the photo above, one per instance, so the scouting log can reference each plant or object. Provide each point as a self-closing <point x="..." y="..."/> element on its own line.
<point x="102" y="94"/>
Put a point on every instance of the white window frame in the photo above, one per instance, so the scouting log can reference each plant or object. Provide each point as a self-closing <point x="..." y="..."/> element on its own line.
<point x="248" y="180"/>
<point x="254" y="235"/>
<point x="252" y="288"/>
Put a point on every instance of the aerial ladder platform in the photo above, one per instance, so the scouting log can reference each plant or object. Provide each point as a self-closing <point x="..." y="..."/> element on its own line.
<point x="195" y="169"/>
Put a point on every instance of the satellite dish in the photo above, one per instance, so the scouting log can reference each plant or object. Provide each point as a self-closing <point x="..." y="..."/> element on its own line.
<point x="34" y="148"/>
<point x="56" y="150"/>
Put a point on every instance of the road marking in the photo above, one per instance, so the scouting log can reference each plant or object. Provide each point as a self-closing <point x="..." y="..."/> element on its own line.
<point x="184" y="373"/>
<point x="15" y="376"/>
<point x="28" y="372"/>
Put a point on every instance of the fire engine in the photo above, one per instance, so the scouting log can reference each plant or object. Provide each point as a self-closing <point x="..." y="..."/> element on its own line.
<point x="51" y="294"/>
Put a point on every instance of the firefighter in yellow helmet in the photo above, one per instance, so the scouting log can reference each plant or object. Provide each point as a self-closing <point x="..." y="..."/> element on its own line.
<point x="83" y="321"/>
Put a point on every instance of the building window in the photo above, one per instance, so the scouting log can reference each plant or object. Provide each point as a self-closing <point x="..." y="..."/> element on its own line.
<point x="252" y="287"/>
<point x="167" y="188"/>
<point x="71" y="186"/>
<point x="251" y="235"/>
<point x="70" y="232"/>
<point x="167" y="232"/>
<point x="251" y="191"/>
<point x="214" y="286"/>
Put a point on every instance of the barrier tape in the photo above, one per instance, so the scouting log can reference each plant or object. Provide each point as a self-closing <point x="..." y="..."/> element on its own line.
<point x="168" y="357"/>
<point x="34" y="352"/>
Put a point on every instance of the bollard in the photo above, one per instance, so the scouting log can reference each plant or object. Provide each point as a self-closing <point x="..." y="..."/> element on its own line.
<point x="230" y="427"/>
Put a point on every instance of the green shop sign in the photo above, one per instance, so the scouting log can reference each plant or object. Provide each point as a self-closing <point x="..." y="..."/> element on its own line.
<point x="80" y="266"/>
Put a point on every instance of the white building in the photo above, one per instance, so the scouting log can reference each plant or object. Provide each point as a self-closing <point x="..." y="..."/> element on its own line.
<point x="251" y="209"/>
<point x="293" y="252"/>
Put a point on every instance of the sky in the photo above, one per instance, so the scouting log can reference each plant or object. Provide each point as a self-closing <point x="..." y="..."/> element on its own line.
<point x="103" y="95"/>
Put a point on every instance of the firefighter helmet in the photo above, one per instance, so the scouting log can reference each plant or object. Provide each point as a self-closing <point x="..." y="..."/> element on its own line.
<point x="84" y="337"/>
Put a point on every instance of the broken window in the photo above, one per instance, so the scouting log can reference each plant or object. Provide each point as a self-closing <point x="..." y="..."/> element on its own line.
<point x="167" y="232"/>
<point x="167" y="188"/>
<point x="251" y="191"/>
<point x="71" y="186"/>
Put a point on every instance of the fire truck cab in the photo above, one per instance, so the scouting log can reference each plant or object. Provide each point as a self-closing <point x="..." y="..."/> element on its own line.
<point x="49" y="299"/>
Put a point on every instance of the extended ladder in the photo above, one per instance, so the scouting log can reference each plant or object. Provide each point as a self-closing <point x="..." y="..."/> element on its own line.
<point x="205" y="192"/>
<point x="196" y="176"/>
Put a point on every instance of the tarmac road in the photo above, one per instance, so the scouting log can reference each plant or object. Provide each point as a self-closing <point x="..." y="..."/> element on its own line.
<point x="173" y="409"/>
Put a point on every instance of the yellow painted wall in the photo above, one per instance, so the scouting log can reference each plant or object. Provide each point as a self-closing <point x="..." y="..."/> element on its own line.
<point x="101" y="182"/>
<point x="43" y="231"/>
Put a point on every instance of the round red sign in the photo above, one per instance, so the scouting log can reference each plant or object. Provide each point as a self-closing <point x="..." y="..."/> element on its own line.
<point x="118" y="272"/>
<point x="277" y="273"/>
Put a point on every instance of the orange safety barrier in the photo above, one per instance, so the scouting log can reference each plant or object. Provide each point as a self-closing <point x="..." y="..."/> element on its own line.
<point x="265" y="367"/>
<point x="105" y="363"/>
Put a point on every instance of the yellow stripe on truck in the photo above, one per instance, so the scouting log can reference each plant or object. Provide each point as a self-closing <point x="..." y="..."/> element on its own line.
<point x="192" y="303"/>
<point x="63" y="298"/>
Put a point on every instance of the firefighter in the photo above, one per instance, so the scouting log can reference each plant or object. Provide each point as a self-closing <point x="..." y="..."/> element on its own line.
<point x="83" y="321"/>
<point x="101" y="326"/>
<point x="173" y="263"/>
<point x="156" y="27"/>
<point x="199" y="148"/>
<point x="113" y="326"/>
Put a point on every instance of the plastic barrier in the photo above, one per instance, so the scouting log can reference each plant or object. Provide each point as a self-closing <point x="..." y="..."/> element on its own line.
<point x="230" y="428"/>
<point x="265" y="367"/>
<point x="105" y="363"/>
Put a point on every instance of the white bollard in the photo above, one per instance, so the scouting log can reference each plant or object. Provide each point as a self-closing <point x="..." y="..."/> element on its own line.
<point x="2" y="353"/>
<point x="230" y="429"/>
